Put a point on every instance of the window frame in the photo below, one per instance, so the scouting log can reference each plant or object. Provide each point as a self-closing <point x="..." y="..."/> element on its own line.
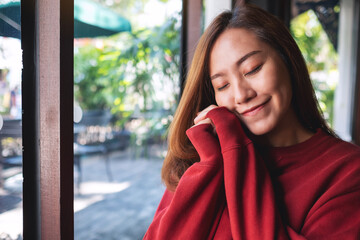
<point x="47" y="100"/>
<point x="356" y="66"/>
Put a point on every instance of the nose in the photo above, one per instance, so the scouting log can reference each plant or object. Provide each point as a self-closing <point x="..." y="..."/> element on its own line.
<point x="243" y="92"/>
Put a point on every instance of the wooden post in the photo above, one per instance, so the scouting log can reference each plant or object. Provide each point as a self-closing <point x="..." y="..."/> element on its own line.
<point x="190" y="34"/>
<point x="356" y="66"/>
<point x="30" y="120"/>
<point x="48" y="67"/>
<point x="47" y="118"/>
<point x="66" y="119"/>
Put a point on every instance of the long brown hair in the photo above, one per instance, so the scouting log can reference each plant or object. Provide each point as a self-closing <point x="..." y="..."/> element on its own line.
<point x="198" y="92"/>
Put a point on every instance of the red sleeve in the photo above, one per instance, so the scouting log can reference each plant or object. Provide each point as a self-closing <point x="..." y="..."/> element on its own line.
<point x="193" y="209"/>
<point x="337" y="215"/>
<point x="248" y="187"/>
<point x="253" y="211"/>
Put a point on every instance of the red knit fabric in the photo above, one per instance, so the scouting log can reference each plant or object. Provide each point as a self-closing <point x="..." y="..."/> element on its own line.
<point x="307" y="191"/>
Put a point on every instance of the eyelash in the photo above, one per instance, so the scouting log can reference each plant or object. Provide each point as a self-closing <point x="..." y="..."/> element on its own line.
<point x="246" y="74"/>
<point x="221" y="88"/>
<point x="254" y="70"/>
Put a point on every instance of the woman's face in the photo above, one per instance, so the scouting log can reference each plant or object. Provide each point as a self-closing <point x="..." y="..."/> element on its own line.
<point x="250" y="79"/>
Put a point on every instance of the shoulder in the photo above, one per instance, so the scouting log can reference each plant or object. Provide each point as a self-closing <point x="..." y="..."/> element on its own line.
<point x="338" y="149"/>
<point x="343" y="159"/>
<point x="331" y="159"/>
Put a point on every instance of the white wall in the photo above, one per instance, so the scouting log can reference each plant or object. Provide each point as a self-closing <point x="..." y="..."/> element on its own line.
<point x="345" y="90"/>
<point x="213" y="8"/>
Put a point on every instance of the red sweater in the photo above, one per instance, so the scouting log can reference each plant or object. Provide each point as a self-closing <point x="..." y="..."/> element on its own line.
<point x="307" y="191"/>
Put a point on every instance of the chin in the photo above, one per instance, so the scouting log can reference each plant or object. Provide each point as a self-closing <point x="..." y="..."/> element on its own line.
<point x="258" y="132"/>
<point x="260" y="129"/>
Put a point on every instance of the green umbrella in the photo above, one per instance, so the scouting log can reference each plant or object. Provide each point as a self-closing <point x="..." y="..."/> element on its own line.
<point x="10" y="19"/>
<point x="90" y="20"/>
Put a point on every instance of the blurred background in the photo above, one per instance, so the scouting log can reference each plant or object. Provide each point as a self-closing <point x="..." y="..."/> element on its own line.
<point x="127" y="83"/>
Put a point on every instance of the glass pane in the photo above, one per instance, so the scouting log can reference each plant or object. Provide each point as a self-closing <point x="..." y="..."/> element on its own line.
<point x="126" y="86"/>
<point x="10" y="121"/>
<point x="315" y="30"/>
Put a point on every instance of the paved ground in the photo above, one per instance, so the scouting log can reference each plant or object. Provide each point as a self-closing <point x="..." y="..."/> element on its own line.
<point x="120" y="209"/>
<point x="128" y="204"/>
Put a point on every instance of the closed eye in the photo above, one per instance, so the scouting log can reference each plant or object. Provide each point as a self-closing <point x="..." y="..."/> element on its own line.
<point x="223" y="87"/>
<point x="255" y="70"/>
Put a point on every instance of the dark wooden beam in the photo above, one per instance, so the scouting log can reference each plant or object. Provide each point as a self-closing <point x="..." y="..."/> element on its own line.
<point x="356" y="66"/>
<point x="66" y="119"/>
<point x="235" y="3"/>
<point x="279" y="8"/>
<point x="47" y="41"/>
<point x="30" y="120"/>
<point x="190" y="34"/>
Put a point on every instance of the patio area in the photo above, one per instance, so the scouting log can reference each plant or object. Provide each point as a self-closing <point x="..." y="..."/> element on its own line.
<point x="120" y="209"/>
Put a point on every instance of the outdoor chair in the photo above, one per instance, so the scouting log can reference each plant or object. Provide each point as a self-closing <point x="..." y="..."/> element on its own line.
<point x="10" y="149"/>
<point x="94" y="135"/>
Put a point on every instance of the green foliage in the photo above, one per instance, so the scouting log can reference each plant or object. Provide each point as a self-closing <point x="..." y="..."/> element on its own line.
<point x="320" y="56"/>
<point x="125" y="70"/>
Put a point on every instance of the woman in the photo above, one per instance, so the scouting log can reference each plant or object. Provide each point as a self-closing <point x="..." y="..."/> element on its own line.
<point x="261" y="162"/>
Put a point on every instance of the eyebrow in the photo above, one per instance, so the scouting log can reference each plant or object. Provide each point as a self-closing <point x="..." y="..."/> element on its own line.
<point x="238" y="63"/>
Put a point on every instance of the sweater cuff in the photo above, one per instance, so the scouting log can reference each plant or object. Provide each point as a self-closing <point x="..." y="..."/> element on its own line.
<point x="228" y="128"/>
<point x="204" y="141"/>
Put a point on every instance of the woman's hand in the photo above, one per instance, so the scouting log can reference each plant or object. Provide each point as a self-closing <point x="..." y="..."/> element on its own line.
<point x="203" y="137"/>
<point x="201" y="117"/>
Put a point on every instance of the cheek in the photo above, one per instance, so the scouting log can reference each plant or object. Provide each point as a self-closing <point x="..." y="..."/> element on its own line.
<point x="287" y="96"/>
<point x="283" y="94"/>
<point x="218" y="100"/>
<point x="222" y="100"/>
<point x="284" y="87"/>
<point x="277" y="84"/>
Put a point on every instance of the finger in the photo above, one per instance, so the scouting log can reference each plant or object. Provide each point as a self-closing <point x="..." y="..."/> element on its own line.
<point x="204" y="121"/>
<point x="228" y="126"/>
<point x="202" y="115"/>
<point x="207" y="121"/>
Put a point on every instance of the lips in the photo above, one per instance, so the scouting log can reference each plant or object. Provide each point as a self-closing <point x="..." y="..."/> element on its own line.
<point x="253" y="110"/>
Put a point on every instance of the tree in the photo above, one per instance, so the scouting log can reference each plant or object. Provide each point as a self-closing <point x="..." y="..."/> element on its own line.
<point x="320" y="56"/>
<point x="124" y="70"/>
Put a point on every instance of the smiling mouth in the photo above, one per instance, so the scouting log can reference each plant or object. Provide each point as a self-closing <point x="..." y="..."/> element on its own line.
<point x="252" y="111"/>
